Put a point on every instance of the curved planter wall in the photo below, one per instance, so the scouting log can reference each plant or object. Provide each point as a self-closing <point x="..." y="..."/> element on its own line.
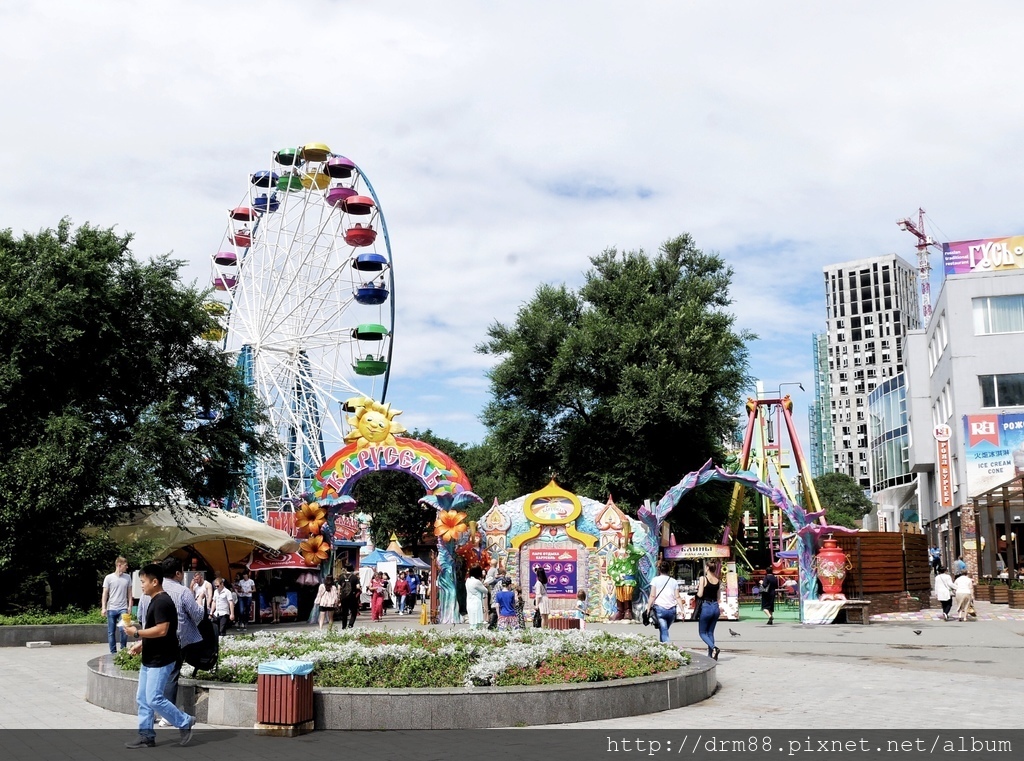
<point x="234" y="705"/>
<point x="56" y="634"/>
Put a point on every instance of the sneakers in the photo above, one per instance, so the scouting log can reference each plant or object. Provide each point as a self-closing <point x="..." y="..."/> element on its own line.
<point x="186" y="733"/>
<point x="771" y="621"/>
<point x="141" y="742"/>
<point x="162" y="723"/>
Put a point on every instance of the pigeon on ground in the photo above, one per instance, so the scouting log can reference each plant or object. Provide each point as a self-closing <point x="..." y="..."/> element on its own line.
<point x="917" y="631"/>
<point x="735" y="634"/>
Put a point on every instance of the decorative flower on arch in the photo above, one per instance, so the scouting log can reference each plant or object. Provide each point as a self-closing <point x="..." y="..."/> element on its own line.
<point x="311" y="517"/>
<point x="315" y="550"/>
<point x="449" y="525"/>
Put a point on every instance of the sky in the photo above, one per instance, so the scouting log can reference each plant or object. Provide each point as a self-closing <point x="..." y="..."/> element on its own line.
<point x="508" y="143"/>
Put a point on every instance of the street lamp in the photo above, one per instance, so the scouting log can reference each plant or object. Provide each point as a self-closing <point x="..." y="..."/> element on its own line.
<point x="790" y="383"/>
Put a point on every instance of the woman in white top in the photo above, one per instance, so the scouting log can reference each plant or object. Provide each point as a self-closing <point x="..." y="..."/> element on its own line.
<point x="327" y="598"/>
<point x="540" y="595"/>
<point x="476" y="597"/>
<point x="944" y="591"/>
<point x="963" y="585"/>
<point x="663" y="598"/>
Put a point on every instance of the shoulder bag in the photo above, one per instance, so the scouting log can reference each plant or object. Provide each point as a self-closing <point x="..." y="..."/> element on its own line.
<point x="646" y="618"/>
<point x="699" y="602"/>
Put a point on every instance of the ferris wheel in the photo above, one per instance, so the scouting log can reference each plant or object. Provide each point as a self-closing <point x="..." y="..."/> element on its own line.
<point x="304" y="297"/>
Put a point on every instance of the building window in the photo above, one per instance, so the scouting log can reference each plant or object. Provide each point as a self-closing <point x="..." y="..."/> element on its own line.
<point x="998" y="314"/>
<point x="1002" y="390"/>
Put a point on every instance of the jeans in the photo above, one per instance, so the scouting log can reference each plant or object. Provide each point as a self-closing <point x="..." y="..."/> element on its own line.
<point x="113" y="616"/>
<point x="664" y="617"/>
<point x="244" y="606"/>
<point x="706" y="625"/>
<point x="151" y="698"/>
<point x="401" y="603"/>
<point x="171" y="686"/>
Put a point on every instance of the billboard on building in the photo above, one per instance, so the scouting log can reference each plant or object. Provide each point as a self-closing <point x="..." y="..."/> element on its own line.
<point x="994" y="450"/>
<point x="984" y="255"/>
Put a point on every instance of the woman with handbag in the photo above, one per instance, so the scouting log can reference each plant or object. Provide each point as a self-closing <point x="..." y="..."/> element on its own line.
<point x="707" y="599"/>
<point x="663" y="599"/>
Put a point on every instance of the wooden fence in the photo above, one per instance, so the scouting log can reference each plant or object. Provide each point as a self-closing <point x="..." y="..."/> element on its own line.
<point x="885" y="561"/>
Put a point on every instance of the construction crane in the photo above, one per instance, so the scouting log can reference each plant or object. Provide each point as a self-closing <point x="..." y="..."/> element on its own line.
<point x="924" y="267"/>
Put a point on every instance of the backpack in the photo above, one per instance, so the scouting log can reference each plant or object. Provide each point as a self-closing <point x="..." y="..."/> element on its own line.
<point x="203" y="655"/>
<point x="345" y="589"/>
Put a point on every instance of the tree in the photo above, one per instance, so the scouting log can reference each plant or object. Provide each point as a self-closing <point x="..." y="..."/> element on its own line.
<point x="104" y="385"/>
<point x="842" y="498"/>
<point x="625" y="385"/>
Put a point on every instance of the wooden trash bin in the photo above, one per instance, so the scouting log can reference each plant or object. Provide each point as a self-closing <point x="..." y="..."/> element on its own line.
<point x="284" y="698"/>
<point x="563" y="623"/>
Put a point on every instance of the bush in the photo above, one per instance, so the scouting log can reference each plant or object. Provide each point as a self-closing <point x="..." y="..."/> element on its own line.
<point x="46" y="618"/>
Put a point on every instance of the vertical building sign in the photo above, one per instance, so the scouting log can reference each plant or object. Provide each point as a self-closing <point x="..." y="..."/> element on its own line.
<point x="942" y="435"/>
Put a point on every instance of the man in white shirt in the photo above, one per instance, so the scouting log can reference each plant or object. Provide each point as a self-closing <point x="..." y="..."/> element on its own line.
<point x="117" y="599"/>
<point x="222" y="607"/>
<point x="246" y="587"/>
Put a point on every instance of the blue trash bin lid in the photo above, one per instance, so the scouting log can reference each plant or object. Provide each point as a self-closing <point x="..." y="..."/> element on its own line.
<point x="285" y="668"/>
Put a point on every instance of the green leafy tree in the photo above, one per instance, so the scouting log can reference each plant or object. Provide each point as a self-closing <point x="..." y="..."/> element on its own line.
<point x="103" y="379"/>
<point x="623" y="386"/>
<point x="842" y="498"/>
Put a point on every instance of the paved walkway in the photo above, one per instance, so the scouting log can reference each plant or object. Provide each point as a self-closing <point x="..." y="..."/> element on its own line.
<point x="884" y="675"/>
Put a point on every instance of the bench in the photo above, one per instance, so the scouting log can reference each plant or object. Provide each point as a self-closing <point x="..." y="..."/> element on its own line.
<point x="854" y="612"/>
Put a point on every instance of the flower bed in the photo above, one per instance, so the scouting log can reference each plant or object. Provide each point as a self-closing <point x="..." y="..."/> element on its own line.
<point x="444" y="657"/>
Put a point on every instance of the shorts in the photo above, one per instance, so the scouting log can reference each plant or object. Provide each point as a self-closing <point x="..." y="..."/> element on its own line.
<point x="280" y="599"/>
<point x="324" y="609"/>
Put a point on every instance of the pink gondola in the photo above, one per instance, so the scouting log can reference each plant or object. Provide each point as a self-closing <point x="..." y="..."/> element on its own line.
<point x="357" y="205"/>
<point x="225" y="258"/>
<point x="225" y="283"/>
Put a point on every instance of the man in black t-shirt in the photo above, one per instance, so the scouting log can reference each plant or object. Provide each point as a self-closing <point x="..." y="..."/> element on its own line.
<point x="160" y="651"/>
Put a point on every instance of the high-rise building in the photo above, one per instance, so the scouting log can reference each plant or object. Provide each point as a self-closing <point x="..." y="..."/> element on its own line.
<point x="870" y="305"/>
<point x="819" y="415"/>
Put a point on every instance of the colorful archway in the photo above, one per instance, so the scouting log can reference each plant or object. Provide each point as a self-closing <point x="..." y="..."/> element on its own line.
<point x="806" y="525"/>
<point x="375" y="445"/>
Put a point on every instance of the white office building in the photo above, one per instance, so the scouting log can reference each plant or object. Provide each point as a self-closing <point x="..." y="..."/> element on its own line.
<point x="871" y="304"/>
<point x="965" y="378"/>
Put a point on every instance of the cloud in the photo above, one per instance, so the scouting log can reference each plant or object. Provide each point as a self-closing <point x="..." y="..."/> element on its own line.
<point x="509" y="143"/>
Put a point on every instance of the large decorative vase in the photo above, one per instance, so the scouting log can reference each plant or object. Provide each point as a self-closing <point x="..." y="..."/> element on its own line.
<point x="831" y="565"/>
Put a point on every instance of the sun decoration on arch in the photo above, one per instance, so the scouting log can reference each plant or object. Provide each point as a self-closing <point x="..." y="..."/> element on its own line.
<point x="373" y="423"/>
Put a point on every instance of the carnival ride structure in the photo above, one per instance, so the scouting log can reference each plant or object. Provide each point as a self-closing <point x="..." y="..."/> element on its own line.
<point x="760" y="460"/>
<point x="304" y="299"/>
